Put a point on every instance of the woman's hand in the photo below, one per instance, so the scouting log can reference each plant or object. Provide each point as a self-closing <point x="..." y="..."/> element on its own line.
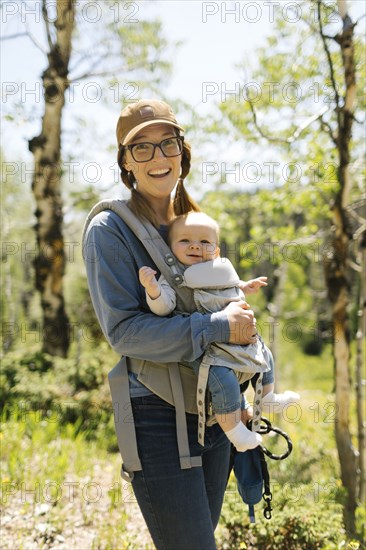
<point x="242" y="323"/>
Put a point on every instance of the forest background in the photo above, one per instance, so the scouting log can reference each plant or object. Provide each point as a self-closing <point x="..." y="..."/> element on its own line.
<point x="271" y="96"/>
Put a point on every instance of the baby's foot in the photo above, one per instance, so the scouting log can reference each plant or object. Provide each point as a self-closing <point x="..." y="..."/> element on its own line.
<point x="242" y="438"/>
<point x="276" y="402"/>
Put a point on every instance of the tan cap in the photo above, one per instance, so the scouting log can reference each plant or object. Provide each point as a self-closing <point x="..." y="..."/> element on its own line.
<point x="144" y="112"/>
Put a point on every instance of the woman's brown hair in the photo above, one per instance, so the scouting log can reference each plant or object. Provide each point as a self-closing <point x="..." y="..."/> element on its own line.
<point x="182" y="202"/>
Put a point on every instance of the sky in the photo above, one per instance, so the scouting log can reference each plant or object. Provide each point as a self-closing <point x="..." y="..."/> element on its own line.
<point x="215" y="36"/>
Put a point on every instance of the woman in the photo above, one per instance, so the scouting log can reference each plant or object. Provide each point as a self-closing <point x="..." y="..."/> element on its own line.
<point x="180" y="501"/>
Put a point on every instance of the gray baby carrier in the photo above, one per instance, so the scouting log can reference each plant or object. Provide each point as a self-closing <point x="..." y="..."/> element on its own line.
<point x="118" y="377"/>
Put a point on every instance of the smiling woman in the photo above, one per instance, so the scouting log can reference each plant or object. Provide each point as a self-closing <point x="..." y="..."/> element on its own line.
<point x="179" y="483"/>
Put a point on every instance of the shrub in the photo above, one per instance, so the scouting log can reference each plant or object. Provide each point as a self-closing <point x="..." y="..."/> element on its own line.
<point x="297" y="526"/>
<point x="72" y="390"/>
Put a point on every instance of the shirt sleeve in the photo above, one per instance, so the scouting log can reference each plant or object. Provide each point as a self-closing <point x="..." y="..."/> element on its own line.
<point x="166" y="302"/>
<point x="112" y="262"/>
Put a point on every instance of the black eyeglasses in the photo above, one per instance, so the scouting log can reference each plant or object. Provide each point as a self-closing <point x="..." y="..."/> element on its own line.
<point x="143" y="152"/>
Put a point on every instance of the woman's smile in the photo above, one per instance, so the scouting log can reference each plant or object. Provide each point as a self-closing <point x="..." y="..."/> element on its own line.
<point x="159" y="172"/>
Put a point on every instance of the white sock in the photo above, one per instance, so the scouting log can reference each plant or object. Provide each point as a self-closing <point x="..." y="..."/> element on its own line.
<point x="242" y="438"/>
<point x="276" y="402"/>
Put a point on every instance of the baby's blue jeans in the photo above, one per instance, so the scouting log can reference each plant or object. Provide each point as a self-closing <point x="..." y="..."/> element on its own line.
<point x="225" y="388"/>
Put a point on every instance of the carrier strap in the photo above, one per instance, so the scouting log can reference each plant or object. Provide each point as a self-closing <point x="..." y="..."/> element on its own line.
<point x="186" y="461"/>
<point x="160" y="253"/>
<point x="257" y="405"/>
<point x="203" y="373"/>
<point x="123" y="419"/>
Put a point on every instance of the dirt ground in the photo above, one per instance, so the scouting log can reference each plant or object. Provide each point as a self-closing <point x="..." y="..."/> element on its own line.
<point x="97" y="512"/>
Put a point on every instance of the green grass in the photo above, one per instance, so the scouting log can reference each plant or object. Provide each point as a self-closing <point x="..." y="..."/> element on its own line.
<point x="305" y="372"/>
<point x="69" y="466"/>
<point x="58" y="484"/>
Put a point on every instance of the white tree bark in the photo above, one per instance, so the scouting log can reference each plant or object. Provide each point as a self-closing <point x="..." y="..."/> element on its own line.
<point x="46" y="148"/>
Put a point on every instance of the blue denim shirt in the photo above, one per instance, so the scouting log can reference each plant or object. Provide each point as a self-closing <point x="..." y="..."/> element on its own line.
<point x="113" y="256"/>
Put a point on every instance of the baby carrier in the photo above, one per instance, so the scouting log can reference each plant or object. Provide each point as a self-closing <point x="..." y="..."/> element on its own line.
<point x="173" y="271"/>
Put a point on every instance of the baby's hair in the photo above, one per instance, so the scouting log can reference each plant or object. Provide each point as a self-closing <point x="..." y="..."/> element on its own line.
<point x="200" y="216"/>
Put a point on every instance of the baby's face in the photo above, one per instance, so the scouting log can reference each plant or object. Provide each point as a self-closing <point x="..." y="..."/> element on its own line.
<point x="193" y="243"/>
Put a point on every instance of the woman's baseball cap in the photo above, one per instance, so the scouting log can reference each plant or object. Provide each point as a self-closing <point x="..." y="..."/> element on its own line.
<point x="144" y="112"/>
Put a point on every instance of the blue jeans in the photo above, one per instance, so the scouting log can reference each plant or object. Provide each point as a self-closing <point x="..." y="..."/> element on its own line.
<point x="225" y="389"/>
<point x="224" y="385"/>
<point x="181" y="507"/>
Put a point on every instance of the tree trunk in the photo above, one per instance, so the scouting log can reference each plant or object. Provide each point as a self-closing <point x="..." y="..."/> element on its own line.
<point x="275" y="308"/>
<point x="46" y="186"/>
<point x="360" y="340"/>
<point x="337" y="277"/>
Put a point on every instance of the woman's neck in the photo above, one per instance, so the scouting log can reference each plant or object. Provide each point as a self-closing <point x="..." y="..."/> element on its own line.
<point x="163" y="210"/>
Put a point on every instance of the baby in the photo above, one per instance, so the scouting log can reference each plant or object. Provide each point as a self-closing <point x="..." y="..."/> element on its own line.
<point x="194" y="239"/>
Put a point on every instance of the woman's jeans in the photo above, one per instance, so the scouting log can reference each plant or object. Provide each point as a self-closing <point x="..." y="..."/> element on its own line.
<point x="181" y="507"/>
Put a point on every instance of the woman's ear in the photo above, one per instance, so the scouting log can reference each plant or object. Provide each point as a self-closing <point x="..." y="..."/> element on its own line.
<point x="128" y="166"/>
<point x="217" y="252"/>
<point x="131" y="167"/>
<point x="127" y="161"/>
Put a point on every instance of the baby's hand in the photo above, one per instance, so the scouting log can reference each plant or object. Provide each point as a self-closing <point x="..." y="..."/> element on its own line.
<point x="149" y="282"/>
<point x="252" y="286"/>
